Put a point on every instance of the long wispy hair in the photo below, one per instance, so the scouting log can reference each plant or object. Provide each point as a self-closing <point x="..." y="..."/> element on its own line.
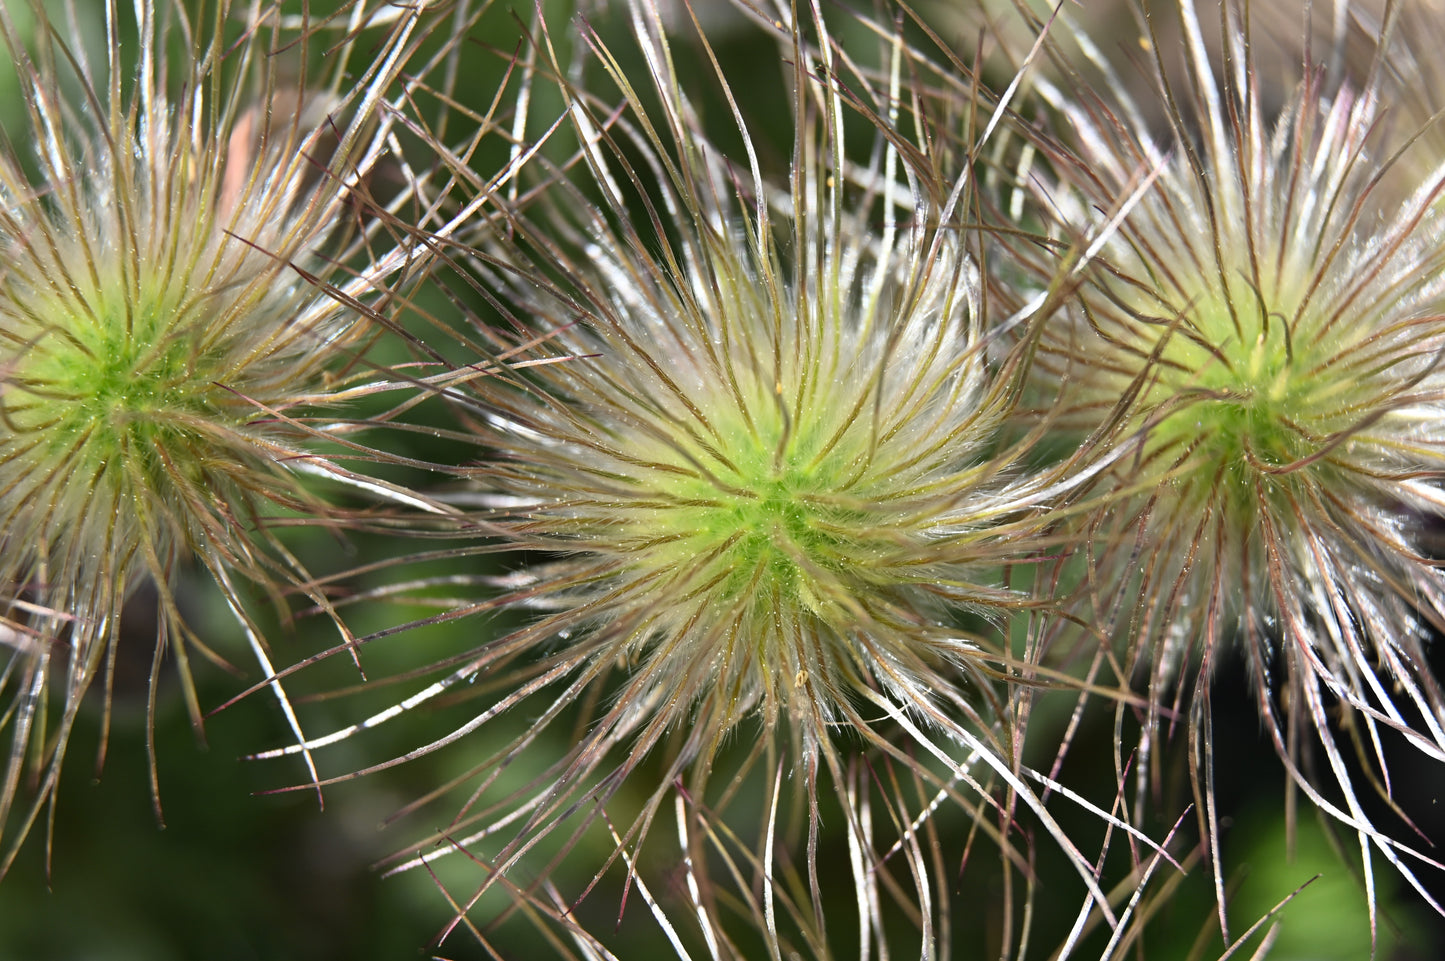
<point x="764" y="541"/>
<point x="183" y="268"/>
<point x="1261" y="320"/>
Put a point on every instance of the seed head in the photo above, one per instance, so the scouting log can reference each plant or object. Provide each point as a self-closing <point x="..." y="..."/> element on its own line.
<point x="753" y="481"/>
<point x="160" y="312"/>
<point x="1270" y="315"/>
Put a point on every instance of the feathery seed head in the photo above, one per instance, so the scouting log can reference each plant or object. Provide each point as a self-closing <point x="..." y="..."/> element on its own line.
<point x="763" y="451"/>
<point x="146" y="334"/>
<point x="1271" y="318"/>
<point x="1252" y="341"/>
<point x="752" y="476"/>
<point x="159" y="314"/>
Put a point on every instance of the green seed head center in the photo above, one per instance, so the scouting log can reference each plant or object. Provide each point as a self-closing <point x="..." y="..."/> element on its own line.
<point x="108" y="385"/>
<point x="129" y="379"/>
<point x="766" y="536"/>
<point x="764" y="525"/>
<point x="1237" y="401"/>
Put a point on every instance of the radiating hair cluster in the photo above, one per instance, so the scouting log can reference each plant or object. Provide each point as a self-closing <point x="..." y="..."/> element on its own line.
<point x="162" y="315"/>
<point x="756" y="475"/>
<point x="1261" y="322"/>
<point x="803" y="481"/>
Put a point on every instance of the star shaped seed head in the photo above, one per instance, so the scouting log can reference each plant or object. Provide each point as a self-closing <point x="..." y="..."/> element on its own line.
<point x="165" y="243"/>
<point x="1259" y="320"/>
<point x="761" y="527"/>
